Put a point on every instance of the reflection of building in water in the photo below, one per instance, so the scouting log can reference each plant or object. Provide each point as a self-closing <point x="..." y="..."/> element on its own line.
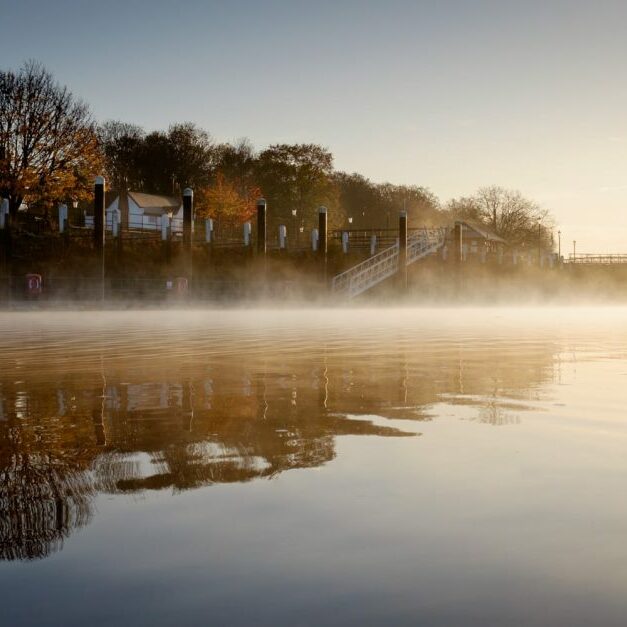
<point x="67" y="432"/>
<point x="234" y="435"/>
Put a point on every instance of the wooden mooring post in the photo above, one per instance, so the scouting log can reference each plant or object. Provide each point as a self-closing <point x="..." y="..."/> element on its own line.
<point x="166" y="237"/>
<point x="64" y="225"/>
<point x="115" y="233"/>
<point x="209" y="233"/>
<point x="62" y="218"/>
<point x="283" y="237"/>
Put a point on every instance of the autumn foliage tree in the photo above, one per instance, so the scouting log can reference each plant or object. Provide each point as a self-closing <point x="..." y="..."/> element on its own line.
<point x="49" y="148"/>
<point x="228" y="203"/>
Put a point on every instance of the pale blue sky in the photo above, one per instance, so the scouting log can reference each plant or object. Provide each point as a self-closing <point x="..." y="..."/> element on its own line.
<point x="448" y="94"/>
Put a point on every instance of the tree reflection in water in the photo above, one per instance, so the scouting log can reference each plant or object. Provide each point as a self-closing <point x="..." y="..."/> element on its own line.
<point x="46" y="488"/>
<point x="100" y="422"/>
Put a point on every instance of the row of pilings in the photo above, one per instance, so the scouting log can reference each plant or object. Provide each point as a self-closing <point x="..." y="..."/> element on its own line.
<point x="320" y="244"/>
<point x="188" y="218"/>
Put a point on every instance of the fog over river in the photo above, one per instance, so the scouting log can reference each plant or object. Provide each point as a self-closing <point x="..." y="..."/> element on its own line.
<point x="362" y="466"/>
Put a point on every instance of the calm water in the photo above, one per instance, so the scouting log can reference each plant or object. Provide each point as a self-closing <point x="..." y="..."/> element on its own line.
<point x="420" y="467"/>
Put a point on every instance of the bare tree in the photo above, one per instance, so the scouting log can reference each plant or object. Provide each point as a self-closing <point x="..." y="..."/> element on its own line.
<point x="512" y="216"/>
<point x="121" y="144"/>
<point x="48" y="144"/>
<point x="506" y="212"/>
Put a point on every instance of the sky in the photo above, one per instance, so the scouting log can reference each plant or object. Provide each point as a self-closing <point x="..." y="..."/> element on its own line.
<point x="451" y="95"/>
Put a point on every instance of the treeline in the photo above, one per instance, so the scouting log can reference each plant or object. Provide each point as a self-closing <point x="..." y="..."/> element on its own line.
<point x="228" y="178"/>
<point x="51" y="148"/>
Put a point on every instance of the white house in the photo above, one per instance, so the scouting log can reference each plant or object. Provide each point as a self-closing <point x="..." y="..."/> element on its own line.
<point x="136" y="210"/>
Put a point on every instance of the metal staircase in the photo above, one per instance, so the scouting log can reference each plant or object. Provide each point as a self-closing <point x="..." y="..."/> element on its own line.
<point x="379" y="267"/>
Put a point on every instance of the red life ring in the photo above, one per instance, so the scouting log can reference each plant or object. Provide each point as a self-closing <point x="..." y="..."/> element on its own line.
<point x="33" y="284"/>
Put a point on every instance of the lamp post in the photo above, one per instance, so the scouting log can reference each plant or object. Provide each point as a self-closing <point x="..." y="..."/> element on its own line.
<point x="559" y="245"/>
<point x="574" y="248"/>
<point x="294" y="212"/>
<point x="350" y="221"/>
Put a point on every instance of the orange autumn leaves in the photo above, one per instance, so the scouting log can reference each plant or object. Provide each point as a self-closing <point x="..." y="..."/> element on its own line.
<point x="229" y="202"/>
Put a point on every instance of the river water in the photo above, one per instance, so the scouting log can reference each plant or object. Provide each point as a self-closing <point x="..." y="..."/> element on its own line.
<point x="305" y="467"/>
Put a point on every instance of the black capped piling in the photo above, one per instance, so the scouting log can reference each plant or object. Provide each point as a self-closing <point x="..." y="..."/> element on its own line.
<point x="188" y="211"/>
<point x="99" y="229"/>
<point x="261" y="226"/>
<point x="323" y="240"/>
<point x="457" y="243"/>
<point x="188" y="218"/>
<point x="402" y="249"/>
<point x="99" y="213"/>
<point x="5" y="240"/>
<point x="322" y="231"/>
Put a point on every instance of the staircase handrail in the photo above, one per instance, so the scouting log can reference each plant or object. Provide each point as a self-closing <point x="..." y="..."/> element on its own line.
<point x="375" y="269"/>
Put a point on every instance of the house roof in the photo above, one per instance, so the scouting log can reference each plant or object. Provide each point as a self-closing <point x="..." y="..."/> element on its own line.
<point x="486" y="233"/>
<point x="154" y="201"/>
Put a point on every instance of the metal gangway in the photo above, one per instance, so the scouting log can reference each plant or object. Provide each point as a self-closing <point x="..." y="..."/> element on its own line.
<point x="606" y="259"/>
<point x="383" y="265"/>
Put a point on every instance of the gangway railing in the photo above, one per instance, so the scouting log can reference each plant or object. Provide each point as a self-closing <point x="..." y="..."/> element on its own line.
<point x="596" y="259"/>
<point x="383" y="265"/>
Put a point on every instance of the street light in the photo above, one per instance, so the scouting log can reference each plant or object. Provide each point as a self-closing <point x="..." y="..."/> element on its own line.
<point x="350" y="220"/>
<point x="559" y="245"/>
<point x="574" y="248"/>
<point x="294" y="225"/>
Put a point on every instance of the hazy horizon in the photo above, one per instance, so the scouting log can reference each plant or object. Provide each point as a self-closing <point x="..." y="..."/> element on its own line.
<point x="449" y="96"/>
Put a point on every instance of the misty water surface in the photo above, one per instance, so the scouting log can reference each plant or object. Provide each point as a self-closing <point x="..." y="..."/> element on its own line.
<point x="432" y="467"/>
